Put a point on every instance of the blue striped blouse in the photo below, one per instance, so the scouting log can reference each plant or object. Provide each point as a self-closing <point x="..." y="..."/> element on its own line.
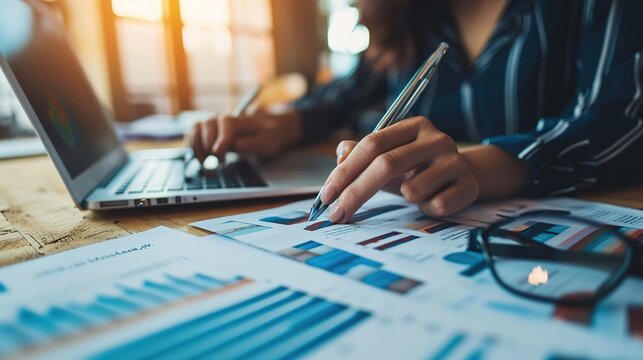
<point x="558" y="85"/>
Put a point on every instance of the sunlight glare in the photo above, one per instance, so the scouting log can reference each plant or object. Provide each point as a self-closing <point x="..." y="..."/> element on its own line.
<point x="150" y="10"/>
<point x="344" y="34"/>
<point x="205" y="12"/>
<point x="538" y="276"/>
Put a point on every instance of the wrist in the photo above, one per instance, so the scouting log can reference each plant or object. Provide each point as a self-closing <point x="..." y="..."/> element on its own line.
<point x="499" y="173"/>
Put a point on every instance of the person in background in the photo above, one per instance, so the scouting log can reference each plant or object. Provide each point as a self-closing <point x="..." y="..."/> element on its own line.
<point x="549" y="90"/>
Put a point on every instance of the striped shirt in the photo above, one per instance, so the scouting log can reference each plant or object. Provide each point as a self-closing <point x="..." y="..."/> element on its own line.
<point x="558" y="85"/>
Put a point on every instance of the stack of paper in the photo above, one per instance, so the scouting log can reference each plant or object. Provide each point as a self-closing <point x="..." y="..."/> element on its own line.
<point x="389" y="286"/>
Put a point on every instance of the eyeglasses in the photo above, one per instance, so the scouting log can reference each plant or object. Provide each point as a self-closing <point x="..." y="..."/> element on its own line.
<point x="551" y="256"/>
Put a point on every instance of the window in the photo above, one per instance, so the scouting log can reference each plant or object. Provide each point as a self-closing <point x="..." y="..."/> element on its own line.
<point x="175" y="55"/>
<point x="143" y="53"/>
<point x="346" y="38"/>
<point x="229" y="48"/>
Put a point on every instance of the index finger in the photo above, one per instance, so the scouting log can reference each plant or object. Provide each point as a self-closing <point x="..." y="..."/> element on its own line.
<point x="363" y="155"/>
<point x="195" y="141"/>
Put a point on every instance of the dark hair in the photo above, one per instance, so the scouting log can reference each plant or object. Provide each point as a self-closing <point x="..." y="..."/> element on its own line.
<point x="398" y="27"/>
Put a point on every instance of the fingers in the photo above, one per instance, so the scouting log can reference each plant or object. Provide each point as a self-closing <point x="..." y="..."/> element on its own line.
<point x="195" y="141"/>
<point x="260" y="134"/>
<point x="228" y="129"/>
<point x="436" y="177"/>
<point x="413" y="157"/>
<point x="454" y="198"/>
<point x="378" y="174"/>
<point x="394" y="185"/>
<point x="226" y="134"/>
<point x="208" y="136"/>
<point x="364" y="154"/>
<point x="344" y="149"/>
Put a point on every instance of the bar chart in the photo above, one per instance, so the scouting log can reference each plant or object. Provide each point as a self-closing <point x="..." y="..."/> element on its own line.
<point x="388" y="240"/>
<point x="119" y="304"/>
<point x="319" y="225"/>
<point x="349" y="265"/>
<point x="462" y="346"/>
<point x="379" y="238"/>
<point x="290" y="218"/>
<point x="592" y="238"/>
<point x="633" y="233"/>
<point x="397" y="242"/>
<point x="237" y="229"/>
<point x="371" y="213"/>
<point x="584" y="238"/>
<point x="428" y="225"/>
<point x="275" y="324"/>
<point x="630" y="314"/>
<point x="537" y="230"/>
<point x="265" y="322"/>
<point x="362" y="216"/>
<point x="409" y="247"/>
<point x="473" y="260"/>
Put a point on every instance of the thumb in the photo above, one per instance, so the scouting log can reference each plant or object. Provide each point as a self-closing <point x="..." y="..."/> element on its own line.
<point x="344" y="149"/>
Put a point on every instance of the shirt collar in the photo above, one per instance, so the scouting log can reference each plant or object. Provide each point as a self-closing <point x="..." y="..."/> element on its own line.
<point x="509" y="23"/>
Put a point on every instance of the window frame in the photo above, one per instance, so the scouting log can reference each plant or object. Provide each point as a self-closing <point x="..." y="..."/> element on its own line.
<point x="180" y="91"/>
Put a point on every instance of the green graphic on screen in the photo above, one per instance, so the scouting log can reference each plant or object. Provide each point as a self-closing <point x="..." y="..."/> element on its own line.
<point x="61" y="120"/>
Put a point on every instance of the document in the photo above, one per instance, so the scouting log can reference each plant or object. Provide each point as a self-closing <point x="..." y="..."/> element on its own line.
<point x="432" y="253"/>
<point x="167" y="294"/>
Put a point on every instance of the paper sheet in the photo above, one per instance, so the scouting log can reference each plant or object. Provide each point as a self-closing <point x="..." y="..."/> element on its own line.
<point x="166" y="294"/>
<point x="182" y="297"/>
<point x="433" y="251"/>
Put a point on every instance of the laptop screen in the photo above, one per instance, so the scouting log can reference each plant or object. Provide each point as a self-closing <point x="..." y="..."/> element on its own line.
<point x="35" y="47"/>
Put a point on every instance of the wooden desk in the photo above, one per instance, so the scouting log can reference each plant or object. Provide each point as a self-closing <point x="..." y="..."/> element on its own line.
<point x="38" y="217"/>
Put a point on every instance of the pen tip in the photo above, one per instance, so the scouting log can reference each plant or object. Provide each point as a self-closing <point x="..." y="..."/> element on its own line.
<point x="314" y="214"/>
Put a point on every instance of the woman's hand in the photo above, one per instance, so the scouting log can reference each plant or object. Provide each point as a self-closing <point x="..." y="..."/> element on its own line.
<point x="261" y="134"/>
<point x="422" y="164"/>
<point x="413" y="157"/>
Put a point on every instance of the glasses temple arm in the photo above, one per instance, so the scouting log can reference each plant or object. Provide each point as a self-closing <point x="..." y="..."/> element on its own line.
<point x="576" y="257"/>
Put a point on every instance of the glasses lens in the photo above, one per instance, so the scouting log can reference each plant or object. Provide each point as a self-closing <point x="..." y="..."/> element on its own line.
<point x="557" y="258"/>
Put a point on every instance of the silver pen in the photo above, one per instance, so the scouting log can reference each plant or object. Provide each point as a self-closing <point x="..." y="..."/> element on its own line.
<point x="399" y="109"/>
<point x="246" y="100"/>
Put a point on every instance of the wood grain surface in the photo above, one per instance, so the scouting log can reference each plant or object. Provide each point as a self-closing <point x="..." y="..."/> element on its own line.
<point x="38" y="217"/>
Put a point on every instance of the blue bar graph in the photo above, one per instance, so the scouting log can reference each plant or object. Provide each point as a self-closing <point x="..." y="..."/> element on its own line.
<point x="371" y="213"/>
<point x="462" y="346"/>
<point x="278" y="323"/>
<point x="33" y="328"/>
<point x="235" y="229"/>
<point x="12" y="338"/>
<point x="273" y="323"/>
<point x="474" y="261"/>
<point x="291" y="218"/>
<point x="447" y="349"/>
<point x="349" y="265"/>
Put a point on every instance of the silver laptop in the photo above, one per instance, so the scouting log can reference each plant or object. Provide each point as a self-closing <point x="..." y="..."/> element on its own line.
<point x="45" y="74"/>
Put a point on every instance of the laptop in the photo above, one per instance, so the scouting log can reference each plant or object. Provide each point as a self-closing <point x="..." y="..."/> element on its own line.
<point x="78" y="135"/>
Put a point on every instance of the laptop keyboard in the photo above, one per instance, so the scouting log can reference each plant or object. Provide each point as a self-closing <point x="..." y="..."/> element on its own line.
<point x="168" y="175"/>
